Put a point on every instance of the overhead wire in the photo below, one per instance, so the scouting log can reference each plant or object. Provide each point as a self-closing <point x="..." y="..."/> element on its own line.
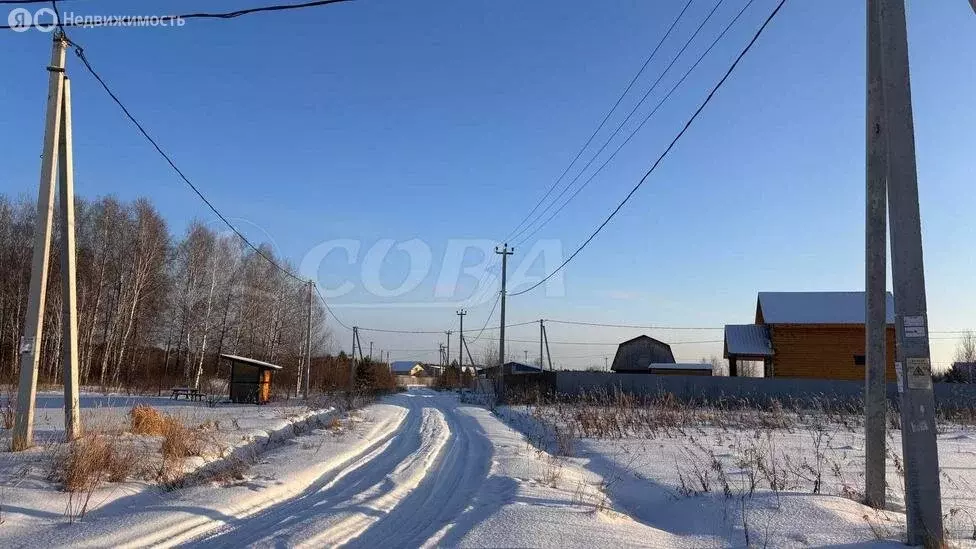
<point x="663" y="154"/>
<point x="487" y="320"/>
<point x="620" y="126"/>
<point x="607" y="343"/>
<point x="80" y="53"/>
<point x="15" y="2"/>
<point x="637" y="326"/>
<point x="602" y="122"/>
<point x="640" y="126"/>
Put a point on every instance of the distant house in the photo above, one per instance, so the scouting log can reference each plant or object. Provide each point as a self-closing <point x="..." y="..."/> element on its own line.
<point x="403" y="367"/>
<point x="414" y="368"/>
<point x="807" y="335"/>
<point x="636" y="355"/>
<point x="512" y="368"/>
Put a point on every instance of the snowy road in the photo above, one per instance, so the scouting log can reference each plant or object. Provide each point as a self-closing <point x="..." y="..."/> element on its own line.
<point x="449" y="475"/>
<point x="400" y="492"/>
<point x="421" y="469"/>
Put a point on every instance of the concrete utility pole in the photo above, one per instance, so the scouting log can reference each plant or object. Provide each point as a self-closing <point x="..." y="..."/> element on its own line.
<point x="69" y="274"/>
<point x="541" y="330"/>
<point x="447" y="362"/>
<point x="875" y="272"/>
<point x="371" y="351"/>
<point x="308" y="340"/>
<point x="57" y="142"/>
<point x="461" y="313"/>
<point x="352" y="362"/>
<point x="504" y="251"/>
<point x="606" y="363"/>
<point x="919" y="446"/>
<point x="440" y="353"/>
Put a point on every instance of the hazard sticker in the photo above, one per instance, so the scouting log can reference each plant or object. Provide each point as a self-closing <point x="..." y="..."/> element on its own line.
<point x="919" y="373"/>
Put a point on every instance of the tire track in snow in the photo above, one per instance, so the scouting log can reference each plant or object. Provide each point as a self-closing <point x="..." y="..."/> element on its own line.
<point x="353" y="497"/>
<point x="447" y="492"/>
<point x="400" y="494"/>
<point x="198" y="527"/>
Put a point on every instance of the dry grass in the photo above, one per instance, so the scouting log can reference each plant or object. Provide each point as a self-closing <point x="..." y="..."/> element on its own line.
<point x="7" y="413"/>
<point x="334" y="424"/>
<point x="179" y="441"/>
<point x="147" y="420"/>
<point x="83" y="464"/>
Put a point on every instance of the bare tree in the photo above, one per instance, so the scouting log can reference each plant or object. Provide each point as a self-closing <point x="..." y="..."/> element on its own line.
<point x="966" y="348"/>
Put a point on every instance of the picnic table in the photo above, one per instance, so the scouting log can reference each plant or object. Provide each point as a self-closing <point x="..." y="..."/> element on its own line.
<point x="189" y="392"/>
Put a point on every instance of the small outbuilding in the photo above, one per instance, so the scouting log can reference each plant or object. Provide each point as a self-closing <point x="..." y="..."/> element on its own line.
<point x="250" y="379"/>
<point x="636" y="355"/>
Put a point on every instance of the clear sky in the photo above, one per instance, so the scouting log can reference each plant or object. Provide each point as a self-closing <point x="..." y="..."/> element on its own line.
<point x="442" y="123"/>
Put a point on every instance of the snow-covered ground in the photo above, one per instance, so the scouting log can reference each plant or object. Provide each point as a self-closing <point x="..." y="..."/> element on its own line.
<point x="421" y="469"/>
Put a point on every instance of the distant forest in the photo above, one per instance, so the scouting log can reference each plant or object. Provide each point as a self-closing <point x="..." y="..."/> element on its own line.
<point x="154" y="308"/>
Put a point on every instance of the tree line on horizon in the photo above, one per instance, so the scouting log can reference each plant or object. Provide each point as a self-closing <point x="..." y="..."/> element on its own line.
<point x="154" y="308"/>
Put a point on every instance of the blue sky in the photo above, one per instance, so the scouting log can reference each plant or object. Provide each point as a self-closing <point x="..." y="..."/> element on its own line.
<point x="446" y="121"/>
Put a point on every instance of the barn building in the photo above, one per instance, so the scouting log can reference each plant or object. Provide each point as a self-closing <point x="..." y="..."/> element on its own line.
<point x="636" y="355"/>
<point x="807" y="335"/>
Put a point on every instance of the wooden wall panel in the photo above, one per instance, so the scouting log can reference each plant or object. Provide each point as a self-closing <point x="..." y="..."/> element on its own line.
<point x="823" y="351"/>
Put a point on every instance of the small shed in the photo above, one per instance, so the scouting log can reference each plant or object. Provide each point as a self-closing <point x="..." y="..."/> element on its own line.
<point x="250" y="379"/>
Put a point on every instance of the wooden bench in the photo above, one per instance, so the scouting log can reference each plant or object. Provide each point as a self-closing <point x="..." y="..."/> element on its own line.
<point x="189" y="393"/>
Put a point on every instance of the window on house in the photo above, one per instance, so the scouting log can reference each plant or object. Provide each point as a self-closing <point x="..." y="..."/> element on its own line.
<point x="859" y="360"/>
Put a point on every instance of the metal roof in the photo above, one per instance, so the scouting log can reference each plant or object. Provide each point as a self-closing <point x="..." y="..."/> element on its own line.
<point x="817" y="307"/>
<point x="251" y="361"/>
<point x="401" y="366"/>
<point x="747" y="340"/>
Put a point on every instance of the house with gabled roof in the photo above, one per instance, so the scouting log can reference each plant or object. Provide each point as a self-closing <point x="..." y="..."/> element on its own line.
<point x="807" y="335"/>
<point x="636" y="355"/>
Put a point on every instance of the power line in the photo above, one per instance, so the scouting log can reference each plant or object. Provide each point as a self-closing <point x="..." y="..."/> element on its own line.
<point x="602" y="123"/>
<point x="652" y="327"/>
<point x="165" y="19"/>
<point x="80" y="52"/>
<point x="663" y="155"/>
<point x="640" y="126"/>
<point x="327" y="308"/>
<point x="390" y="331"/>
<point x="620" y="126"/>
<point x="25" y="2"/>
<point x="487" y="320"/>
<point x="607" y="343"/>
